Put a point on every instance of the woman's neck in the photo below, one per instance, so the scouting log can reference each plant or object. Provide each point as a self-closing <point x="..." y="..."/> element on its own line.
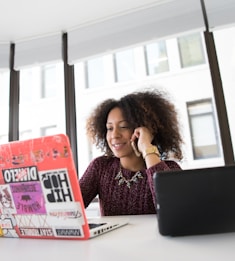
<point x="133" y="164"/>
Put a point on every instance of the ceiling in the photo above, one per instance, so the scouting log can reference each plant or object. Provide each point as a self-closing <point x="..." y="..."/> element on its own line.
<point x="26" y="19"/>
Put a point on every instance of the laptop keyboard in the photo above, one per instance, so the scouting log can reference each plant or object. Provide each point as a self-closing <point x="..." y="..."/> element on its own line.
<point x="94" y="225"/>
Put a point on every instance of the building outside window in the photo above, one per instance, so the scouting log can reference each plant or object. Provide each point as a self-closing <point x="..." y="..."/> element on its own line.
<point x="49" y="130"/>
<point x="3" y="139"/>
<point x="42" y="100"/>
<point x="157" y="59"/>
<point x="125" y="65"/>
<point x="95" y="72"/>
<point x="191" y="50"/>
<point x="28" y="85"/>
<point x="48" y="80"/>
<point x="99" y="72"/>
<point x="4" y="104"/>
<point x="204" y="136"/>
<point x="225" y="47"/>
<point x="25" y="135"/>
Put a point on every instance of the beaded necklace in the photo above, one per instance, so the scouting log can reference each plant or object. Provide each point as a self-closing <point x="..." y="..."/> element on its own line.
<point x="122" y="180"/>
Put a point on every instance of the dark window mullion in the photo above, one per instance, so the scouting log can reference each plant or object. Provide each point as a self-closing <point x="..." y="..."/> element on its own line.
<point x="219" y="100"/>
<point x="14" y="98"/>
<point x="70" y="104"/>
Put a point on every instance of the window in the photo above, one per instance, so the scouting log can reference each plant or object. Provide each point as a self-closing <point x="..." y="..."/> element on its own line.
<point x="157" y="60"/>
<point x="95" y="72"/>
<point x="3" y="139"/>
<point x="203" y="129"/>
<point x="36" y="84"/>
<point x="225" y="47"/>
<point x="191" y="50"/>
<point x="48" y="130"/>
<point x="4" y="105"/>
<point x="28" y="85"/>
<point x="25" y="135"/>
<point x="49" y="81"/>
<point x="125" y="65"/>
<point x="99" y="71"/>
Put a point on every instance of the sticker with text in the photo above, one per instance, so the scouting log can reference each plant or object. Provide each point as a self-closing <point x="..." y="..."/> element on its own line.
<point x="56" y="186"/>
<point x="28" y="198"/>
<point x="66" y="219"/>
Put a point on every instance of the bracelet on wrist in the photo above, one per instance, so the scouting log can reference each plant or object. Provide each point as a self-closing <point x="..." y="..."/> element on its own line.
<point x="151" y="150"/>
<point x="157" y="154"/>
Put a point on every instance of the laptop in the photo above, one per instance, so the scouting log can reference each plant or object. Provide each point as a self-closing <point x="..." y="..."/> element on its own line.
<point x="40" y="195"/>
<point x="196" y="201"/>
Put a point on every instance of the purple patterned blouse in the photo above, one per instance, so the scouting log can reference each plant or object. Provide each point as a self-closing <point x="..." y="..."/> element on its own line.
<point x="119" y="199"/>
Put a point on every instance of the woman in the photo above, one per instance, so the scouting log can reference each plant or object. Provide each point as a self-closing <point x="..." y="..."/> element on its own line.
<point x="137" y="134"/>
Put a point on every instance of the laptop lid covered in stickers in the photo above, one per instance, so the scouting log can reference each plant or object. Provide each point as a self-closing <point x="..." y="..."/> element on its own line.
<point x="39" y="192"/>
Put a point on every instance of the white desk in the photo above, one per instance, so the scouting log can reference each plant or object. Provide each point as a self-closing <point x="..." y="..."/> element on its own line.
<point x="138" y="241"/>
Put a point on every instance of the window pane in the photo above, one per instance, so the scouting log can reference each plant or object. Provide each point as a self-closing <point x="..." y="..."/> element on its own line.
<point x="24" y="135"/>
<point x="95" y="72"/>
<point x="4" y="105"/>
<point x="99" y="71"/>
<point x="225" y="47"/>
<point x="38" y="111"/>
<point x="28" y="85"/>
<point x="45" y="131"/>
<point x="3" y="139"/>
<point x="125" y="65"/>
<point x="191" y="50"/>
<point x="157" y="60"/>
<point x="203" y="130"/>
<point x="49" y="81"/>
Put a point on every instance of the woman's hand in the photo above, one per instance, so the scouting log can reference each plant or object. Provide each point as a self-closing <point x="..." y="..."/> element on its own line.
<point x="144" y="140"/>
<point x="142" y="137"/>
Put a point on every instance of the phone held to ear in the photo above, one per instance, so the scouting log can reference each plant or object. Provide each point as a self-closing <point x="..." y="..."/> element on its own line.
<point x="134" y="146"/>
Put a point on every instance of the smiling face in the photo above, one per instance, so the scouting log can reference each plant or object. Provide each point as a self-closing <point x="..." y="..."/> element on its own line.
<point x="119" y="134"/>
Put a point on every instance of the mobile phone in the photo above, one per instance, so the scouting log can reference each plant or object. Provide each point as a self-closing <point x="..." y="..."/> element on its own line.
<point x="134" y="146"/>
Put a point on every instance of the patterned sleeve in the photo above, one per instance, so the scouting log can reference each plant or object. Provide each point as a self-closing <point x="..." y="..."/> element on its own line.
<point x="89" y="182"/>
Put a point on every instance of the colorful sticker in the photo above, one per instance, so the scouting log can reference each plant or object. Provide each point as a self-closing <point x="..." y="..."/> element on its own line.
<point x="23" y="174"/>
<point x="18" y="159"/>
<point x="62" y="220"/>
<point x="1" y="232"/>
<point x="36" y="231"/>
<point x="66" y="219"/>
<point x="56" y="185"/>
<point x="8" y="226"/>
<point x="32" y="221"/>
<point x="28" y="198"/>
<point x="6" y="200"/>
<point x="69" y="232"/>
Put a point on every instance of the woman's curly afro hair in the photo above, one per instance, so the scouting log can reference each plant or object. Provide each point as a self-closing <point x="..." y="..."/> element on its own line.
<point x="149" y="108"/>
